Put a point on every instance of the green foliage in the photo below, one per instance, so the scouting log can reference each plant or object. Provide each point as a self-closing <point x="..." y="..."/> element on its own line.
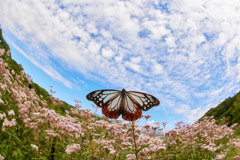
<point x="229" y="108"/>
<point x="3" y="43"/>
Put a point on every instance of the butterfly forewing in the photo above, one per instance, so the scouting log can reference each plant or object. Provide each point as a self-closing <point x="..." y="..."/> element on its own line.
<point x="101" y="97"/>
<point x="145" y="101"/>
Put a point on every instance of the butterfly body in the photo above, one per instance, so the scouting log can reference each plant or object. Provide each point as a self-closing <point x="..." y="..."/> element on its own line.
<point x="128" y="103"/>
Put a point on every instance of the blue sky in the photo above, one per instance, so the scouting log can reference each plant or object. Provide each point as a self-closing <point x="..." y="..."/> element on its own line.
<point x="185" y="53"/>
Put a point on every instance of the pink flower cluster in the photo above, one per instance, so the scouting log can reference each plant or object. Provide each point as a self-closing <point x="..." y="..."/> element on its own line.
<point x="7" y="123"/>
<point x="72" y="148"/>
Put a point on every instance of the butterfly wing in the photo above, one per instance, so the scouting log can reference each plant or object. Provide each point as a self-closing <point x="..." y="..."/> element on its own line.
<point x="132" y="110"/>
<point x="109" y="100"/>
<point x="143" y="100"/>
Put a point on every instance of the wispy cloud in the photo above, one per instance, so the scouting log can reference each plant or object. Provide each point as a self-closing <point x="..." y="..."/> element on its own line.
<point x="184" y="52"/>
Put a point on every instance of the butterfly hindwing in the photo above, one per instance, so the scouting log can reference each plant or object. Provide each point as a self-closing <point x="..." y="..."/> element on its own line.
<point x="145" y="101"/>
<point x="112" y="108"/>
<point x="132" y="110"/>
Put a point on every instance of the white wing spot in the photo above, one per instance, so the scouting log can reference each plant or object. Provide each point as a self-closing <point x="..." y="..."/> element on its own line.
<point x="103" y="96"/>
<point x="144" y="107"/>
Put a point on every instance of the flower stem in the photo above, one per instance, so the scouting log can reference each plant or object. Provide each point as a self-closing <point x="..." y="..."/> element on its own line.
<point x="134" y="141"/>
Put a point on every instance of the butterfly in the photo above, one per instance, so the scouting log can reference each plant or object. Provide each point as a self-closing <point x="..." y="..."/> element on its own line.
<point x="128" y="103"/>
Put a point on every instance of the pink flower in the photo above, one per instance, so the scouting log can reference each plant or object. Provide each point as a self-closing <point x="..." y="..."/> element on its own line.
<point x="219" y="157"/>
<point x="2" y="116"/>
<point x="1" y="158"/>
<point x="131" y="156"/>
<point x="146" y="116"/>
<point x="234" y="125"/>
<point x="235" y="157"/>
<point x="78" y="105"/>
<point x="164" y="124"/>
<point x="34" y="147"/>
<point x="11" y="113"/>
<point x="67" y="112"/>
<point x="72" y="148"/>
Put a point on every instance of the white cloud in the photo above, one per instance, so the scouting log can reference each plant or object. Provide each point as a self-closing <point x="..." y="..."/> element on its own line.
<point x="157" y="69"/>
<point x="217" y="92"/>
<point x="91" y="28"/>
<point x="158" y="32"/>
<point x="94" y="47"/>
<point x="170" y="41"/>
<point x="107" y="52"/>
<point x="118" y="59"/>
<point x="105" y="34"/>
<point x="136" y="60"/>
<point x="134" y="67"/>
<point x="183" y="109"/>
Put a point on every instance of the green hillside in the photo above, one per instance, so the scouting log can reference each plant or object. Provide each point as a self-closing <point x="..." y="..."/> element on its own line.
<point x="3" y="43"/>
<point x="229" y="108"/>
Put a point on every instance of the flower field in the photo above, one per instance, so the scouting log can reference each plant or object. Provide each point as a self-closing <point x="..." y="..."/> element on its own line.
<point x="31" y="129"/>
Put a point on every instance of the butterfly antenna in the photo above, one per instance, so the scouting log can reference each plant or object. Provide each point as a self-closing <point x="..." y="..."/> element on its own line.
<point x="118" y="88"/>
<point x="126" y="86"/>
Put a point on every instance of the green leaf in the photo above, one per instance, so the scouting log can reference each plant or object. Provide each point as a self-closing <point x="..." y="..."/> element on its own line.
<point x="19" y="152"/>
<point x="25" y="131"/>
<point x="19" y="140"/>
<point x="87" y="152"/>
<point x="193" y="149"/>
<point x="64" y="156"/>
<point x="177" y="156"/>
<point x="101" y="134"/>
<point x="88" y="157"/>
<point x="107" y="151"/>
<point x="127" y="152"/>
<point x="129" y="130"/>
<point x="13" y="143"/>
<point x="43" y="158"/>
<point x="44" y="133"/>
<point x="142" y="148"/>
<point x="15" y="153"/>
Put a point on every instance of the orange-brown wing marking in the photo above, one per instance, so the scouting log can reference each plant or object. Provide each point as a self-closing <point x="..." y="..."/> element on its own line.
<point x="110" y="114"/>
<point x="132" y="110"/>
<point x="111" y="109"/>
